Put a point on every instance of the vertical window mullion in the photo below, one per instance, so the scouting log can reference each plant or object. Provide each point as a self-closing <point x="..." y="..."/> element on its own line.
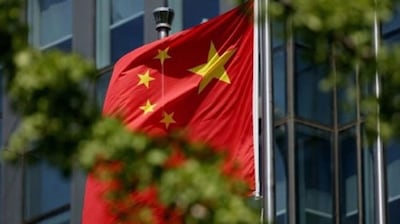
<point x="291" y="163"/>
<point x="177" y="23"/>
<point x="103" y="40"/>
<point x="34" y="22"/>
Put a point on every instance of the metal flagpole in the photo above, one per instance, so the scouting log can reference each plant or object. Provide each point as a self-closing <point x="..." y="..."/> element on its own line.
<point x="380" y="180"/>
<point x="267" y="120"/>
<point x="256" y="100"/>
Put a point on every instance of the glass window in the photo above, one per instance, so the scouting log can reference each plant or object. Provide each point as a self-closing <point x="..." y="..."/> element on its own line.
<point x="311" y="102"/>
<point x="1" y="129"/>
<point x="394" y="22"/>
<point x="51" y="23"/>
<point x="125" y="9"/>
<point x="346" y="102"/>
<point x="196" y="12"/>
<point x="1" y="106"/>
<point x="278" y="36"/>
<point x="314" y="176"/>
<point x="126" y="36"/>
<point x="101" y="88"/>
<point x="45" y="189"/>
<point x="279" y="76"/>
<point x="348" y="177"/>
<point x="1" y="91"/>
<point x="369" y="181"/>
<point x="281" y="174"/>
<point x="391" y="29"/>
<point x="119" y="29"/>
<point x="393" y="181"/>
<point x="126" y="26"/>
<point x="392" y="38"/>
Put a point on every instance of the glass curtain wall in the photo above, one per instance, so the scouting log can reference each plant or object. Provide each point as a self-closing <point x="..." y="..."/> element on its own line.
<point x="391" y="35"/>
<point x="196" y="12"/>
<point x="313" y="138"/>
<point x="119" y="29"/>
<point x="348" y="176"/>
<point x="318" y="168"/>
<point x="2" y="94"/>
<point x="50" y="24"/>
<point x="280" y="114"/>
<point x="280" y="147"/>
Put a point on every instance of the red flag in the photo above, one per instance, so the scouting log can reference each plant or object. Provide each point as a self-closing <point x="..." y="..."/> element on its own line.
<point x="200" y="80"/>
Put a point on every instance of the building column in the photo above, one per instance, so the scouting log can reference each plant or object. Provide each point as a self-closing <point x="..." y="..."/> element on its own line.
<point x="83" y="43"/>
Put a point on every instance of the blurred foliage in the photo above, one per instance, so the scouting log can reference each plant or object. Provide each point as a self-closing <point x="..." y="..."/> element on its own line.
<point x="167" y="176"/>
<point x="13" y="33"/>
<point x="48" y="92"/>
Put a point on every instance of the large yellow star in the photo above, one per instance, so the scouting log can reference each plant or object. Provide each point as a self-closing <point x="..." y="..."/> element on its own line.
<point x="168" y="119"/>
<point x="214" y="68"/>
<point x="162" y="55"/>
<point x="145" y="79"/>
<point x="148" y="107"/>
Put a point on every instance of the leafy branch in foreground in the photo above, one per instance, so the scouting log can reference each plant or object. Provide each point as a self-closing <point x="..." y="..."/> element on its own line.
<point x="165" y="177"/>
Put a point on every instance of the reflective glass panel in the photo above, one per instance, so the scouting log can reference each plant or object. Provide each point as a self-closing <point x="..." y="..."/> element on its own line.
<point x="392" y="38"/>
<point x="55" y="21"/>
<point x="1" y="108"/>
<point x="393" y="181"/>
<point x="313" y="176"/>
<point x="369" y="181"/>
<point x="277" y="34"/>
<point x="119" y="29"/>
<point x="1" y="93"/>
<point x="126" y="36"/>
<point x="281" y="174"/>
<point x="348" y="177"/>
<point x="279" y="76"/>
<point x="311" y="102"/>
<point x="196" y="12"/>
<point x="124" y="9"/>
<point x="127" y="27"/>
<point x="346" y="101"/>
<point x="394" y="22"/>
<point x="45" y="189"/>
<point x="1" y="131"/>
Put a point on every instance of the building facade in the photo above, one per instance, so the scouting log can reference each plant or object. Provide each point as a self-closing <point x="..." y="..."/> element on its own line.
<point x="324" y="168"/>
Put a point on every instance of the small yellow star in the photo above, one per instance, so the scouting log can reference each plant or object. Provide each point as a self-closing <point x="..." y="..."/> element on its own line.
<point x="148" y="107"/>
<point x="168" y="119"/>
<point x="162" y="55"/>
<point x="214" y="68"/>
<point x="145" y="79"/>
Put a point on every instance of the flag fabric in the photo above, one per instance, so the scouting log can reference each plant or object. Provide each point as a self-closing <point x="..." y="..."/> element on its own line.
<point x="199" y="80"/>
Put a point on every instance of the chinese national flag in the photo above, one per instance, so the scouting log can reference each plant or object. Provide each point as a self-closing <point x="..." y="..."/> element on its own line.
<point x="199" y="80"/>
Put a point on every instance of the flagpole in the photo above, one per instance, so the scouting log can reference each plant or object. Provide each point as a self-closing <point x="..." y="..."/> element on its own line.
<point x="163" y="17"/>
<point x="380" y="180"/>
<point x="267" y="119"/>
<point x="256" y="101"/>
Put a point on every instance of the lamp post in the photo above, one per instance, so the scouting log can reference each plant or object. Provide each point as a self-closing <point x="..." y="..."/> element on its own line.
<point x="163" y="17"/>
